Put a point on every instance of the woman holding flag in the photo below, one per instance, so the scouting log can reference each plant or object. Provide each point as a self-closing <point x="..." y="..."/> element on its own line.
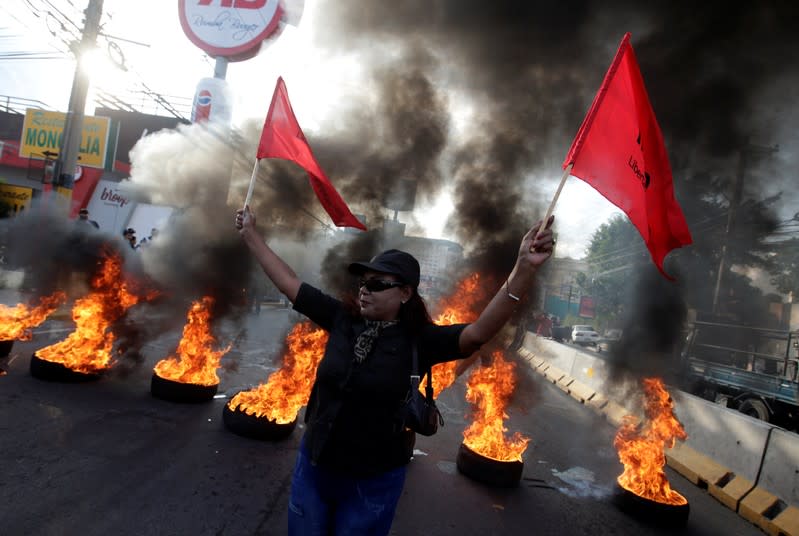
<point x="351" y="465"/>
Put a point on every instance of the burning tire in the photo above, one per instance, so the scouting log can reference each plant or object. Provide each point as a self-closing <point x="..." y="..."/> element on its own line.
<point x="5" y="348"/>
<point x="254" y="427"/>
<point x="649" y="511"/>
<point x="494" y="473"/>
<point x="181" y="392"/>
<point x="56" y="372"/>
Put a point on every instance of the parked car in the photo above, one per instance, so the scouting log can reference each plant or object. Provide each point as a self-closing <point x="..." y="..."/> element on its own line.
<point x="585" y="336"/>
<point x="562" y="333"/>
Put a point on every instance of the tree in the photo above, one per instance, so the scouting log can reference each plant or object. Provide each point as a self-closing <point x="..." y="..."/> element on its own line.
<point x="615" y="250"/>
<point x="617" y="256"/>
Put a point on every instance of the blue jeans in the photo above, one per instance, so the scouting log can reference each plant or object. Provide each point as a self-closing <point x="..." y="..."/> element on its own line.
<point x="324" y="503"/>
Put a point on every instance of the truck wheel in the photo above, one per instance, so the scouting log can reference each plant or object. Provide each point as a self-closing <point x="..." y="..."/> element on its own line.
<point x="754" y="408"/>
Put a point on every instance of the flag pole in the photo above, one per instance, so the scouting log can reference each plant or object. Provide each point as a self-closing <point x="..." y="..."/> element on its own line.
<point x="252" y="183"/>
<point x="551" y="208"/>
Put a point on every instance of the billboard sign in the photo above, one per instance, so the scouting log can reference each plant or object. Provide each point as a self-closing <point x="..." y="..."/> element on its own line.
<point x="111" y="205"/>
<point x="232" y="29"/>
<point x="42" y="132"/>
<point x="586" y="307"/>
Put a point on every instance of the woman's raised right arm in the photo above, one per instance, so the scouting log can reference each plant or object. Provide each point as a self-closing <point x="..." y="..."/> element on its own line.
<point x="281" y="274"/>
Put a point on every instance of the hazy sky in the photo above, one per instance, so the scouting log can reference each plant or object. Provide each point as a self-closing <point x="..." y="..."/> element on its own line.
<point x="325" y="83"/>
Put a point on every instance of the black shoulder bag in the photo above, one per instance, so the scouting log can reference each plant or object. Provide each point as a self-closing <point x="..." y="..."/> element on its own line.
<point x="421" y="414"/>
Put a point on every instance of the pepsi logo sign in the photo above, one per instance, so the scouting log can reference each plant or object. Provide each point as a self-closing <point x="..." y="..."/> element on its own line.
<point x="204" y="98"/>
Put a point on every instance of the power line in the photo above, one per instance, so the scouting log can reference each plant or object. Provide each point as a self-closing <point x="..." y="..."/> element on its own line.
<point x="610" y="257"/>
<point x="59" y="24"/>
<point x="30" y="56"/>
<point x="64" y="16"/>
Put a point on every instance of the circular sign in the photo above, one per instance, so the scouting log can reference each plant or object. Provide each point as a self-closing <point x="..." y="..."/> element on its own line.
<point x="229" y="28"/>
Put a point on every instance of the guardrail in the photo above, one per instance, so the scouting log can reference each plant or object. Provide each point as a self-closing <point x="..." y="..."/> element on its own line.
<point x="750" y="466"/>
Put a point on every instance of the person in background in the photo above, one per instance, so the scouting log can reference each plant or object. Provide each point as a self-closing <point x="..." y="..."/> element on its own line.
<point x="544" y="328"/>
<point x="351" y="465"/>
<point x="130" y="236"/>
<point x="83" y="218"/>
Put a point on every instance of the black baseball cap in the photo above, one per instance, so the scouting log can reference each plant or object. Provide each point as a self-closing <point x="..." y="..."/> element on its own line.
<point x="392" y="261"/>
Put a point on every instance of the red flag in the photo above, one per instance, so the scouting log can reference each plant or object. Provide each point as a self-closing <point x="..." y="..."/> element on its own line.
<point x="619" y="151"/>
<point x="282" y="137"/>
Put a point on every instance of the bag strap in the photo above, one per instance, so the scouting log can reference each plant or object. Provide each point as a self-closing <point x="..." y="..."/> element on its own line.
<point x="416" y="379"/>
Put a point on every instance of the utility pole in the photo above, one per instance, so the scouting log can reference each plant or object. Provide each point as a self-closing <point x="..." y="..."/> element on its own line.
<point x="73" y="126"/>
<point x="735" y="201"/>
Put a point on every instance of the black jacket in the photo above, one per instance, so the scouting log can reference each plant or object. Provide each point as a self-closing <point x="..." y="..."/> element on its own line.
<point x="353" y="415"/>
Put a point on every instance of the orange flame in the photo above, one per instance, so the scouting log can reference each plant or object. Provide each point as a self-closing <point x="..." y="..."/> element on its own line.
<point x="489" y="390"/>
<point x="196" y="363"/>
<point x="88" y="348"/>
<point x="641" y="446"/>
<point x="460" y="307"/>
<point x="16" y="322"/>
<point x="288" y="388"/>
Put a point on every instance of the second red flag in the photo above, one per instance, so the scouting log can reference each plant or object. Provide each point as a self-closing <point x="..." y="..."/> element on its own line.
<point x="283" y="138"/>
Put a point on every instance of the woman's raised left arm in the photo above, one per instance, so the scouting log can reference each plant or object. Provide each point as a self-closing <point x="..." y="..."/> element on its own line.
<point x="534" y="251"/>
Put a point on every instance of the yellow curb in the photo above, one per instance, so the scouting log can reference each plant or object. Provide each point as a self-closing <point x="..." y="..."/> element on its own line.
<point x="598" y="401"/>
<point x="537" y="362"/>
<point x="787" y="523"/>
<point x="564" y="382"/>
<point x="732" y="492"/>
<point x="754" y="506"/>
<point x="580" y="391"/>
<point x="614" y="412"/>
<point x="696" y="467"/>
<point x="525" y="353"/>
<point x="553" y="374"/>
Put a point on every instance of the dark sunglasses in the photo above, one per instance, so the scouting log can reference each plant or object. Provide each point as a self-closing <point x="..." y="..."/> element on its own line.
<point x="378" y="285"/>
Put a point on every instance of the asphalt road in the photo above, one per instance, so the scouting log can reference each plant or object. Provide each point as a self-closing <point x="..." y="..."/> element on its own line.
<point x="106" y="458"/>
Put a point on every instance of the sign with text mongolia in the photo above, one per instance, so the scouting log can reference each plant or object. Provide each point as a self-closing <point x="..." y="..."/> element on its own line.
<point x="42" y="131"/>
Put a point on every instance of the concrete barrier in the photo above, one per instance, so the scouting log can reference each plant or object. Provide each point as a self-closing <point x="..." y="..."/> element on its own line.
<point x="580" y="392"/>
<point x="729" y="437"/>
<point x="695" y="466"/>
<point x="589" y="370"/>
<point x="583" y="366"/>
<point x="564" y="382"/>
<point x="780" y="471"/>
<point x="773" y="504"/>
<point x="554" y="373"/>
<point x="557" y="354"/>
